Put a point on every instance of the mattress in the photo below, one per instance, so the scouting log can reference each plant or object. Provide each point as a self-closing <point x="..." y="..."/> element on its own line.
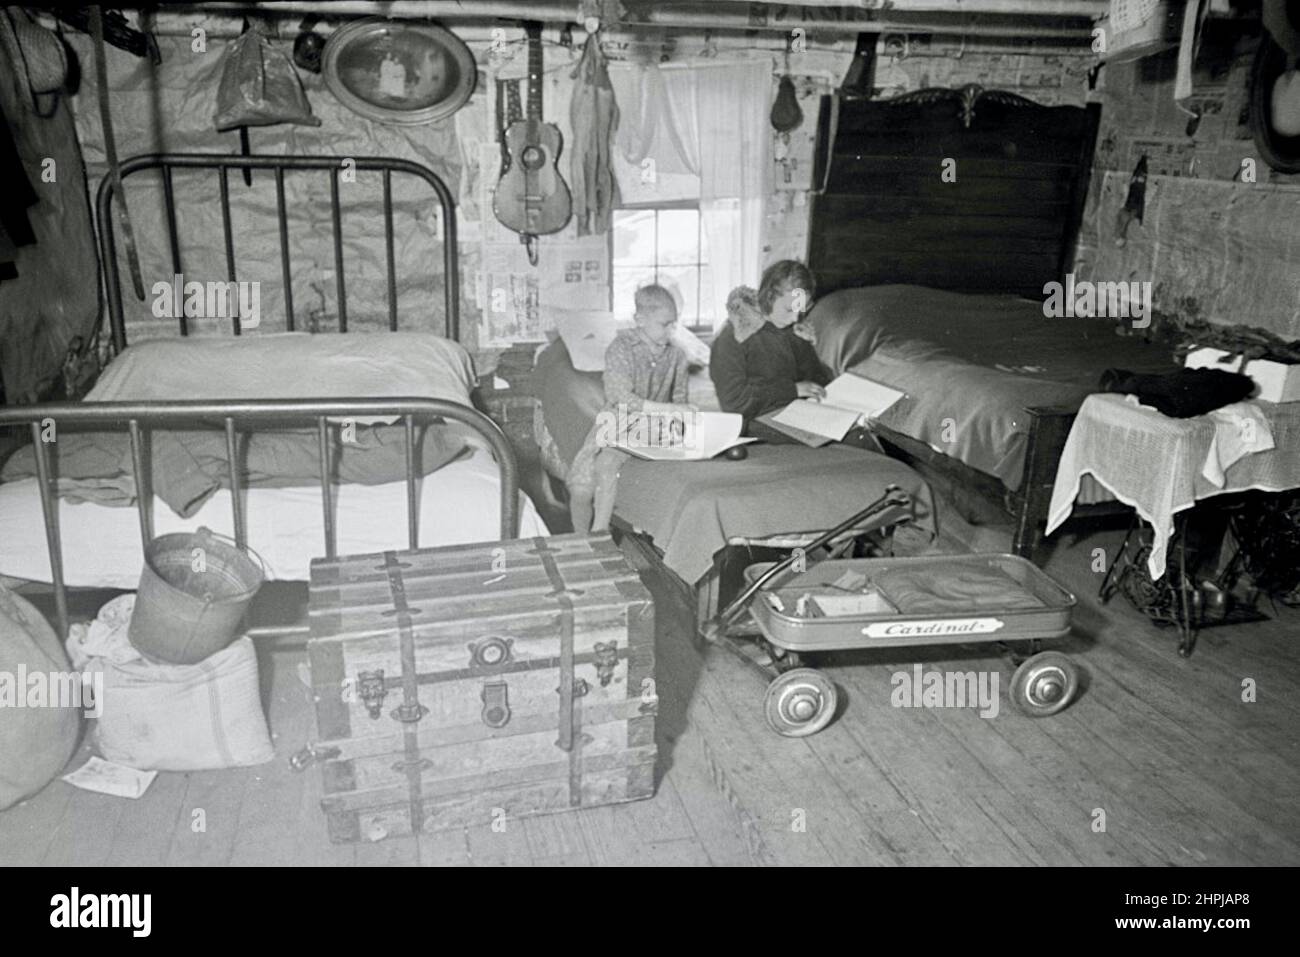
<point x="459" y="504"/>
<point x="971" y="364"/>
<point x="691" y="510"/>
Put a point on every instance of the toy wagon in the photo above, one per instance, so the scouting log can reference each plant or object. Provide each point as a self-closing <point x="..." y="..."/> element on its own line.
<point x="857" y="603"/>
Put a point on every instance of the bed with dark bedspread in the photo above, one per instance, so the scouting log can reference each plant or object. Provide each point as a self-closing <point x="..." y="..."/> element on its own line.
<point x="972" y="365"/>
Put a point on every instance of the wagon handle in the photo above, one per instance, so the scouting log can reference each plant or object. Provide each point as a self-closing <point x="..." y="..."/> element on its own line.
<point x="893" y="498"/>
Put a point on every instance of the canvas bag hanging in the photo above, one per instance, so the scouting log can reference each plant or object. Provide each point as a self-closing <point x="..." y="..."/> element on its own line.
<point x="259" y="86"/>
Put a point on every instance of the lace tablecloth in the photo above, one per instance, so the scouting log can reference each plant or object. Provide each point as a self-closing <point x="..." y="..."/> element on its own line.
<point x="1160" y="465"/>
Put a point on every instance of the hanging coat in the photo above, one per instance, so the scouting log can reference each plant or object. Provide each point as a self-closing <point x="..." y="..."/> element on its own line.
<point x="594" y="117"/>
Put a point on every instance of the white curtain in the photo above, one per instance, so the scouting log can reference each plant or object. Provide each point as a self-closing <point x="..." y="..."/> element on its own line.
<point x="711" y="120"/>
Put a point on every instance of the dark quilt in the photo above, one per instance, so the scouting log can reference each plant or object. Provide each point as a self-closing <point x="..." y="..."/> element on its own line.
<point x="971" y="364"/>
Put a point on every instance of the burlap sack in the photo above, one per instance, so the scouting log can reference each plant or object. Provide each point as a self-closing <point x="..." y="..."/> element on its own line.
<point x="36" y="739"/>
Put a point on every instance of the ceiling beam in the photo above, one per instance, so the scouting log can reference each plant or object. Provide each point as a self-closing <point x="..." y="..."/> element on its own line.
<point x="697" y="16"/>
<point x="1040" y="8"/>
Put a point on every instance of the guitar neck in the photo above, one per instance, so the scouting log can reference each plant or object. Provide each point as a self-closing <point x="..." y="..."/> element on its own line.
<point x="534" y="30"/>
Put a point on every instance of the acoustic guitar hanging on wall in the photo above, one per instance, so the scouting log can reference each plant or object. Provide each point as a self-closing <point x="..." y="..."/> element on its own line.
<point x="531" y="197"/>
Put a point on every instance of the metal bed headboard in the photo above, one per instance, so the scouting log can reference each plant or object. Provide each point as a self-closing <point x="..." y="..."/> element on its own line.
<point x="223" y="163"/>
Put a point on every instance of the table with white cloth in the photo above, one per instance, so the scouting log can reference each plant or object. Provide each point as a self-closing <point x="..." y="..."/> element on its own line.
<point x="1161" y="466"/>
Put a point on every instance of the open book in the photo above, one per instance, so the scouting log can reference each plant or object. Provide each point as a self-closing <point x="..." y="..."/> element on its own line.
<point x="848" y="399"/>
<point x="673" y="437"/>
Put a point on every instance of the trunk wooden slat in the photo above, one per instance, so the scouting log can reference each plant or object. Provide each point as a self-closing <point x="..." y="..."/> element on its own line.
<point x="454" y="686"/>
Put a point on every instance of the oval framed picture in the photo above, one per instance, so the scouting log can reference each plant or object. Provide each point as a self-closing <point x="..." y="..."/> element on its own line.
<point x="400" y="72"/>
<point x="1274" y="101"/>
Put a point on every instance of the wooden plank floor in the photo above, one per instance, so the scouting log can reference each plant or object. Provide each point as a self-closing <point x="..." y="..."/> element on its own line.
<point x="1159" y="762"/>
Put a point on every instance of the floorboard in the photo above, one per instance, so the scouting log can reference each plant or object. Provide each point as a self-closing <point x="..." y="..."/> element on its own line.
<point x="1185" y="771"/>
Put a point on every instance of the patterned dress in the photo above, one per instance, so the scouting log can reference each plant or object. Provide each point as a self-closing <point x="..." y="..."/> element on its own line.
<point x="635" y="371"/>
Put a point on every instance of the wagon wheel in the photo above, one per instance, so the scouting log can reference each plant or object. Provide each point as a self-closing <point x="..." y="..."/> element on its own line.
<point x="1044" y="684"/>
<point x="800" y="702"/>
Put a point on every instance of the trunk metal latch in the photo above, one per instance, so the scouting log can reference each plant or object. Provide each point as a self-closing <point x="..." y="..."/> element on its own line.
<point x="606" y="661"/>
<point x="496" y="703"/>
<point x="370" y="688"/>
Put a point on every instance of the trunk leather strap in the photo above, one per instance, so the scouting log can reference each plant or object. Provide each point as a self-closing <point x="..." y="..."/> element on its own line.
<point x="570" y="739"/>
<point x="410" y="711"/>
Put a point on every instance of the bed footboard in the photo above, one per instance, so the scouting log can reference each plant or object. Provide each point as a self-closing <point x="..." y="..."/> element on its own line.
<point x="1049" y="427"/>
<point x="45" y="423"/>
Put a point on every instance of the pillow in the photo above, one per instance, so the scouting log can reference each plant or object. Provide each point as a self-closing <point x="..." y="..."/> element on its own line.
<point x="290" y="365"/>
<point x="587" y="333"/>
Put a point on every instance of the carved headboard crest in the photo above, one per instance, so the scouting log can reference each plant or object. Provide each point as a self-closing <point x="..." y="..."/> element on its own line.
<point x="966" y="97"/>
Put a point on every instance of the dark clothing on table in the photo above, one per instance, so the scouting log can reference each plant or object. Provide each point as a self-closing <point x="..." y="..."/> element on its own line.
<point x="758" y="375"/>
<point x="1182" y="394"/>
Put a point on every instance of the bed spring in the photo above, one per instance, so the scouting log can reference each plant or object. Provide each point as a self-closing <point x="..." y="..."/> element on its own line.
<point x="46" y="421"/>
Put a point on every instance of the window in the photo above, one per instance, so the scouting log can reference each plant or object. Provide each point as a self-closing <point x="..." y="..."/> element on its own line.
<point x="664" y="244"/>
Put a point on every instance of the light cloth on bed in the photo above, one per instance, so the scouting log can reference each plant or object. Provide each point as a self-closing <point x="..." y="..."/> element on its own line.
<point x="457" y="504"/>
<point x="1160" y="465"/>
<point x="693" y="509"/>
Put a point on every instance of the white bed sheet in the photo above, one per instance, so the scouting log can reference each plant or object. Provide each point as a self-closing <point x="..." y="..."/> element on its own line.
<point x="101" y="544"/>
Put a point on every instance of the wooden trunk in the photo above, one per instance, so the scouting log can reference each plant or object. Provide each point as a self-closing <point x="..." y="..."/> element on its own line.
<point x="455" y="686"/>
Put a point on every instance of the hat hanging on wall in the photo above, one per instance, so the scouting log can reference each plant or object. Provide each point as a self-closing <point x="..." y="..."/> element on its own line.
<point x="1275" y="88"/>
<point x="395" y="72"/>
<point x="40" y="56"/>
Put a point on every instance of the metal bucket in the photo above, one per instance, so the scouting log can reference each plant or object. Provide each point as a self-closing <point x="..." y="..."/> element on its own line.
<point x="194" y="591"/>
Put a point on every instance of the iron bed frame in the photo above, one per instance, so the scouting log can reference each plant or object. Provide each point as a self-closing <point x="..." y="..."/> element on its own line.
<point x="334" y="165"/>
<point x="956" y="109"/>
<point x="1027" y="506"/>
<point x="46" y="420"/>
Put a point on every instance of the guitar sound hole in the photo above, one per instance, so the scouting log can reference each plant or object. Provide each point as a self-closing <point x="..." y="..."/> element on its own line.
<point x="533" y="158"/>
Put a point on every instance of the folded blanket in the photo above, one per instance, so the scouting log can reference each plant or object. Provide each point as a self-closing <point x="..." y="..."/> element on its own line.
<point x="941" y="588"/>
<point x="187" y="467"/>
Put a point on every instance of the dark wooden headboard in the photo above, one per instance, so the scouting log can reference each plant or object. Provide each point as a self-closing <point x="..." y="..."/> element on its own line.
<point x="884" y="213"/>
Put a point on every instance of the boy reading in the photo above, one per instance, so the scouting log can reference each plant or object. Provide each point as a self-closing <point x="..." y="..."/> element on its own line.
<point x="645" y="375"/>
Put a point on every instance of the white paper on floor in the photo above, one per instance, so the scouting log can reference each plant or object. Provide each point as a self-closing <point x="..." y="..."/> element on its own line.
<point x="107" y="777"/>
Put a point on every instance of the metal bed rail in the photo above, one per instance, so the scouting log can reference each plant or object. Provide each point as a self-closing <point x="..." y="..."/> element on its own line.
<point x="278" y="165"/>
<point x="46" y="421"/>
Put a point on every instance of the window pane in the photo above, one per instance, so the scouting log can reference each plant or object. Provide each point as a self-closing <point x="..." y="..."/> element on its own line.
<point x="634" y="237"/>
<point x="679" y="236"/>
<point x="683" y="280"/>
<point x="627" y="280"/>
<point x="712" y="311"/>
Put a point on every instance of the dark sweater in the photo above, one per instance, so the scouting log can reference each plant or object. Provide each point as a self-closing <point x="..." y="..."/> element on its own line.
<point x="758" y="375"/>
